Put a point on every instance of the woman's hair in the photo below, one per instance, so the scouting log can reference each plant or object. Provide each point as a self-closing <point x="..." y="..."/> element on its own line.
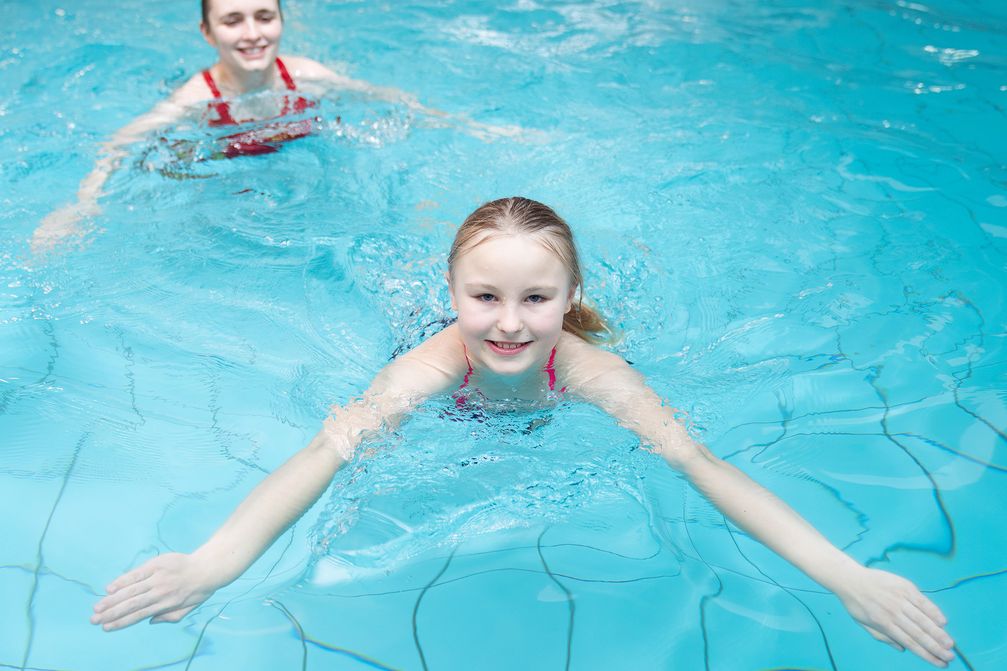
<point x="523" y="215"/>
<point x="204" y="7"/>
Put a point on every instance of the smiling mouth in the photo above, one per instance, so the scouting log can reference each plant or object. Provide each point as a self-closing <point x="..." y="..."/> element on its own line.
<point x="507" y="348"/>
<point x="252" y="52"/>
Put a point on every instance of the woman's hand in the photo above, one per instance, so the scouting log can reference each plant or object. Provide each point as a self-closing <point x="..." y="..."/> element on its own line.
<point x="61" y="224"/>
<point x="164" y="589"/>
<point x="895" y="612"/>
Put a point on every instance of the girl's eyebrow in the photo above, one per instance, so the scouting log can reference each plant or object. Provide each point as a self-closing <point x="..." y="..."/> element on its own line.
<point x="478" y="286"/>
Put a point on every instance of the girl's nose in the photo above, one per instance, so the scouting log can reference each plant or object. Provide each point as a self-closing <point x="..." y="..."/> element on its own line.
<point x="509" y="320"/>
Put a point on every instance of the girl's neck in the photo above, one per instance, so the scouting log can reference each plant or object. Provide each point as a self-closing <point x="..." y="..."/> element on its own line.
<point x="531" y="385"/>
<point x="234" y="82"/>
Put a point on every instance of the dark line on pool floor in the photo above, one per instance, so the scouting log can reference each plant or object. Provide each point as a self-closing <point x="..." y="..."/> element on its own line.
<point x="961" y="656"/>
<point x="569" y="600"/>
<point x="297" y="627"/>
<point x="818" y="623"/>
<point x="416" y="609"/>
<point x="206" y="625"/>
<point x="706" y="597"/>
<point x="11" y="396"/>
<point x="873" y="373"/>
<point x="39" y="559"/>
<point x="363" y="659"/>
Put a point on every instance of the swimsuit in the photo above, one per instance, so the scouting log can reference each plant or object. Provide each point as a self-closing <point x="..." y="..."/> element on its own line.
<point x="264" y="140"/>
<point x="462" y="399"/>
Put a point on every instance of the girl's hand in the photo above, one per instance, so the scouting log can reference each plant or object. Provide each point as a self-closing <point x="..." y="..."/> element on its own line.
<point x="895" y="612"/>
<point x="164" y="589"/>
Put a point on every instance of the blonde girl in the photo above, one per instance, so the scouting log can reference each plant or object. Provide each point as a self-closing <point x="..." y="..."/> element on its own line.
<point x="523" y="335"/>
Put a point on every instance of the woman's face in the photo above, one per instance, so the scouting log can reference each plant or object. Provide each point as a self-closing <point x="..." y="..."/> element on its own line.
<point x="245" y="33"/>
<point x="510" y="292"/>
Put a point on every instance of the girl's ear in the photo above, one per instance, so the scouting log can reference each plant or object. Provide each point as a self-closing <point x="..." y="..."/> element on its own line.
<point x="569" y="300"/>
<point x="451" y="291"/>
<point x="205" y="29"/>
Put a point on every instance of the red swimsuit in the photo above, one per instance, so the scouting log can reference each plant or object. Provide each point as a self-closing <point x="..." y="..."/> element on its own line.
<point x="266" y="139"/>
<point x="461" y="399"/>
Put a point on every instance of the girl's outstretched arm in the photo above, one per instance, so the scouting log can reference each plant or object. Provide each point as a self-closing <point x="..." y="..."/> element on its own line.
<point x="167" y="587"/>
<point x="891" y="608"/>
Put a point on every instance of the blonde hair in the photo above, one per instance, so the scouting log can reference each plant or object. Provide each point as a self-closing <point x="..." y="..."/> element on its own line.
<point x="523" y="215"/>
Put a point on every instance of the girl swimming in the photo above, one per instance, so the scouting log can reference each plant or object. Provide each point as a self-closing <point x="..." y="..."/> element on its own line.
<point x="524" y="335"/>
<point x="246" y="35"/>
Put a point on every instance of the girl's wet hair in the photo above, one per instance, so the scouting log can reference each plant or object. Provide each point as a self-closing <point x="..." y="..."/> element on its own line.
<point x="204" y="7"/>
<point x="523" y="215"/>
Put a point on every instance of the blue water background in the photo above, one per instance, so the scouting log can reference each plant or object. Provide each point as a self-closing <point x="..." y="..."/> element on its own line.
<point x="794" y="214"/>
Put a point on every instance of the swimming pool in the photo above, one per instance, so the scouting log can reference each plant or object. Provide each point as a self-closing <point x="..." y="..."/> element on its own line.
<point x="795" y="214"/>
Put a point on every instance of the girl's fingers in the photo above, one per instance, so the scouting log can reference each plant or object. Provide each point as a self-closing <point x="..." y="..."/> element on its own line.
<point x="133" y="618"/>
<point x="917" y="641"/>
<point x="128" y="608"/>
<point x="138" y="574"/>
<point x="122" y="596"/>
<point x="173" y="616"/>
<point x="884" y="639"/>
<point x="929" y="627"/>
<point x="931" y="609"/>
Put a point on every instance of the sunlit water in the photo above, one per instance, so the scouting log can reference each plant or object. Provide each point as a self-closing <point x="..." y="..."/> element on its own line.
<point x="795" y="215"/>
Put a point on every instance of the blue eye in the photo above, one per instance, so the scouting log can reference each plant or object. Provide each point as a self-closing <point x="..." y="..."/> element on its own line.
<point x="535" y="298"/>
<point x="486" y="298"/>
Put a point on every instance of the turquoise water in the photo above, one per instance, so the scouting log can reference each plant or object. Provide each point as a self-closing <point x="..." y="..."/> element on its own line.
<point x="796" y="214"/>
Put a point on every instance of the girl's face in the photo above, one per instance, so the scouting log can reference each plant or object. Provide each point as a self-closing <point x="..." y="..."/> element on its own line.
<point x="245" y="33"/>
<point x="510" y="292"/>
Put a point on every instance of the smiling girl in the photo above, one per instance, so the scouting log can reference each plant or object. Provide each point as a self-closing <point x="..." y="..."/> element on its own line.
<point x="522" y="334"/>
<point x="246" y="35"/>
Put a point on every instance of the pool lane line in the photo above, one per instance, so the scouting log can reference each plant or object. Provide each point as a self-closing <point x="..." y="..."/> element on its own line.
<point x="39" y="558"/>
<point x="821" y="630"/>
<point x="11" y="396"/>
<point x="474" y="574"/>
<point x="206" y="625"/>
<point x="416" y="607"/>
<point x="569" y="599"/>
<point x="720" y="583"/>
<point x="873" y="372"/>
<point x="297" y="626"/>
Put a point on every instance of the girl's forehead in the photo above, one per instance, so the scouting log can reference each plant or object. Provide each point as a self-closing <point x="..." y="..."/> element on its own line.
<point x="495" y="243"/>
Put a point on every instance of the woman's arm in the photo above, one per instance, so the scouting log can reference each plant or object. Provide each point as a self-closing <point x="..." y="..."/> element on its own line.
<point x="167" y="587"/>
<point x="313" y="70"/>
<point x="62" y="222"/>
<point x="891" y="608"/>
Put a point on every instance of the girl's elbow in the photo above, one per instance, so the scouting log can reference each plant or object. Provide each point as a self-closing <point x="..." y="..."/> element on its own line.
<point x="685" y="456"/>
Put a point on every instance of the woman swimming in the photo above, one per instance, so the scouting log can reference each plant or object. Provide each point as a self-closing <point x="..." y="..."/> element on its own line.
<point x="524" y="335"/>
<point x="246" y="35"/>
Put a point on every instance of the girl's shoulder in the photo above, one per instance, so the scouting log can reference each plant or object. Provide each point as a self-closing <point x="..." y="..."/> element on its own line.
<point x="436" y="364"/>
<point x="579" y="363"/>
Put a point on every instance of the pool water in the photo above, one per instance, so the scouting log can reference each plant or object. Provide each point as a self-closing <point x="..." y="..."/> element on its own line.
<point x="795" y="214"/>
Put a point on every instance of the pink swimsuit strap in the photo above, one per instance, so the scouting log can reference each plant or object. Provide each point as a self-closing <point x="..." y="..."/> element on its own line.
<point x="549" y="369"/>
